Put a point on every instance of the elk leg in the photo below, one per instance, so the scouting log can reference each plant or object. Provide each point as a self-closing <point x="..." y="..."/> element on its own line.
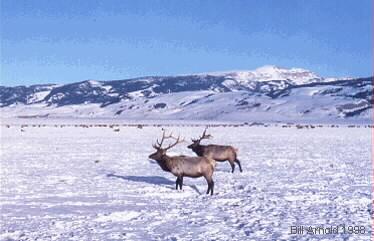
<point x="177" y="183"/>
<point x="232" y="166"/>
<point x="211" y="187"/>
<point x="207" y="191"/>
<point x="240" y="166"/>
<point x="181" y="182"/>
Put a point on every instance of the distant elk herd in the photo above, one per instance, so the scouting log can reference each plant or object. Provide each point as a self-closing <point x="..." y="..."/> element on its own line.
<point x="203" y="165"/>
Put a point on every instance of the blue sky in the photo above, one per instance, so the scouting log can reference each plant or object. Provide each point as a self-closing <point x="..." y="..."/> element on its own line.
<point x="73" y="40"/>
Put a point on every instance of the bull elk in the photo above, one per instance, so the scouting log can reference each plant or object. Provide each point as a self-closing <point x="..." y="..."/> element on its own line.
<point x="217" y="152"/>
<point x="183" y="166"/>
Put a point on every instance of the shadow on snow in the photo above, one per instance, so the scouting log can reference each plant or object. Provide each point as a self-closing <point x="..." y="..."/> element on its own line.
<point x="157" y="180"/>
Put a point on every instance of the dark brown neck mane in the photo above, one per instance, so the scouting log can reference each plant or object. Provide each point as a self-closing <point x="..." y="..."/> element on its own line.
<point x="162" y="163"/>
<point x="199" y="150"/>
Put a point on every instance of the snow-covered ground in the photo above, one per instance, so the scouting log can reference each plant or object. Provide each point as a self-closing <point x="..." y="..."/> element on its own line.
<point x="77" y="183"/>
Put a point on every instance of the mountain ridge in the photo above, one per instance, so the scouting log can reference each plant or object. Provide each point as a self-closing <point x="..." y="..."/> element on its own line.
<point x="269" y="92"/>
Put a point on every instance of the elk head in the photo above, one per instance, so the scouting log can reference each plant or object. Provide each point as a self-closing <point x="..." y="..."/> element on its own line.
<point x="161" y="151"/>
<point x="196" y="142"/>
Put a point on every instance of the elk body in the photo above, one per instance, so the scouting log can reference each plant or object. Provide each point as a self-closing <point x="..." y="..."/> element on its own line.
<point x="183" y="166"/>
<point x="217" y="152"/>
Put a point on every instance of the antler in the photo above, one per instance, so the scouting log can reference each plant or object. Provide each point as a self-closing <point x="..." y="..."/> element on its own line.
<point x="177" y="141"/>
<point x="162" y="139"/>
<point x="155" y="146"/>
<point x="158" y="144"/>
<point x="204" y="136"/>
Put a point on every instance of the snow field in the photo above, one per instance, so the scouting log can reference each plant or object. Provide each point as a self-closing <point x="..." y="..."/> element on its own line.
<point x="76" y="183"/>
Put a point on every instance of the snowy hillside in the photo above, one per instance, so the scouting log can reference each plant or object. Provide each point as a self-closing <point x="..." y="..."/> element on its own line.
<point x="268" y="93"/>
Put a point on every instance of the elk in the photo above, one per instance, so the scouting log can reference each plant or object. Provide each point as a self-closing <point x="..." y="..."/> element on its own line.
<point x="217" y="152"/>
<point x="183" y="166"/>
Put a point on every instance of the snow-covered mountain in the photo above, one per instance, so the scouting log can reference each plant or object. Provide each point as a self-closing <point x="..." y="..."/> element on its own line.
<point x="268" y="93"/>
